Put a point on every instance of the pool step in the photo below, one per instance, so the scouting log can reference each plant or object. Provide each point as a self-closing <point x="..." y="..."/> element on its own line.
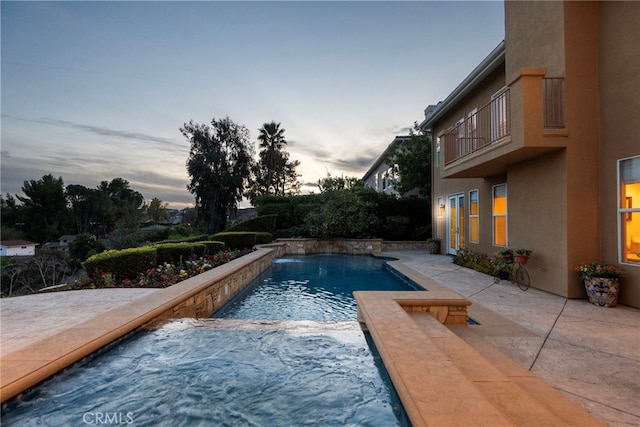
<point x="444" y="380"/>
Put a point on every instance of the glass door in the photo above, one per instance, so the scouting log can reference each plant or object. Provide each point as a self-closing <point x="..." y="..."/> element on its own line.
<point x="455" y="223"/>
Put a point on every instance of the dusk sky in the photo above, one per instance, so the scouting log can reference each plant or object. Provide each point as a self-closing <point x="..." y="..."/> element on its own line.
<point x="92" y="91"/>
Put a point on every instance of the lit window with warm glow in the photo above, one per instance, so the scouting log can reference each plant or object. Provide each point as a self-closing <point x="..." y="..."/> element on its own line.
<point x="440" y="218"/>
<point x="474" y="217"/>
<point x="629" y="209"/>
<point x="500" y="215"/>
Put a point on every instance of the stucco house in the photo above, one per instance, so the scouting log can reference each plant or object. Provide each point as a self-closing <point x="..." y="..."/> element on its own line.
<point x="17" y="248"/>
<point x="377" y="177"/>
<point x="62" y="243"/>
<point x="539" y="146"/>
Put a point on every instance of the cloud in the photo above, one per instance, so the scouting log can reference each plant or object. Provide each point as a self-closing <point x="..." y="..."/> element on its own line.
<point x="165" y="143"/>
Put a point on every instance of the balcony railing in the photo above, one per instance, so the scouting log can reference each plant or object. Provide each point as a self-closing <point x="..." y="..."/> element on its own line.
<point x="554" y="102"/>
<point x="479" y="130"/>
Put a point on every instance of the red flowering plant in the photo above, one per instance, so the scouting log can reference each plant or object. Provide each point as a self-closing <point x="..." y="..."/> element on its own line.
<point x="162" y="276"/>
<point x="593" y="269"/>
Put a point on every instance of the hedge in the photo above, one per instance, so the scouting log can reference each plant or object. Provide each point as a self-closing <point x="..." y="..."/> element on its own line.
<point x="264" y="223"/>
<point x="212" y="246"/>
<point x="174" y="253"/>
<point x="124" y="263"/>
<point x="198" y="238"/>
<point x="242" y="239"/>
<point x="395" y="227"/>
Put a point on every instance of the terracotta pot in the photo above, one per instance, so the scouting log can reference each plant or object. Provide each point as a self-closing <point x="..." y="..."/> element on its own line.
<point x="521" y="258"/>
<point x="602" y="291"/>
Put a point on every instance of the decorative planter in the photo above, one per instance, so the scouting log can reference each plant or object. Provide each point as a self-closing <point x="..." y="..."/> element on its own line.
<point x="521" y="259"/>
<point x="434" y="246"/>
<point x="602" y="291"/>
<point x="503" y="274"/>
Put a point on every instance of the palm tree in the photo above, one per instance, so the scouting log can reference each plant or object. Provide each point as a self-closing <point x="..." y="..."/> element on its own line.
<point x="271" y="142"/>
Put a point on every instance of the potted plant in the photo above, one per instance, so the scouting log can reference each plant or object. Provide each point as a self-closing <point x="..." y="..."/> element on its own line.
<point x="522" y="255"/>
<point x="502" y="260"/>
<point x="433" y="245"/>
<point x="505" y="253"/>
<point x="602" y="282"/>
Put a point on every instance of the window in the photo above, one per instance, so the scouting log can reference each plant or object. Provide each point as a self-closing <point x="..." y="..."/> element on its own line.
<point x="474" y="217"/>
<point x="440" y="218"/>
<point x="629" y="209"/>
<point x="500" y="215"/>
<point x="438" y="152"/>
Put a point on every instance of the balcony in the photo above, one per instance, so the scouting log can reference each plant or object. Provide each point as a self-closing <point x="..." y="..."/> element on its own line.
<point x="486" y="126"/>
<point x="526" y="120"/>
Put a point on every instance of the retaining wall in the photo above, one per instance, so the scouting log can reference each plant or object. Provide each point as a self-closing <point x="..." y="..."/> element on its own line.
<point x="345" y="246"/>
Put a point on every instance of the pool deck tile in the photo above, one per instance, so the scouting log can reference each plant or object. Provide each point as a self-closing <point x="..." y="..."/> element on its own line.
<point x="586" y="353"/>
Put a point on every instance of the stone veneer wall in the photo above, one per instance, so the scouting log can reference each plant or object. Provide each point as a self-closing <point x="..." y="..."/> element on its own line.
<point x="346" y="246"/>
<point x="207" y="292"/>
<point x="203" y="294"/>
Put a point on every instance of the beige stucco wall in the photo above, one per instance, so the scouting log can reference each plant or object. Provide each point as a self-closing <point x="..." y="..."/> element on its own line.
<point x="538" y="220"/>
<point x="535" y="42"/>
<point x="562" y="203"/>
<point x="619" y="62"/>
<point x="583" y="152"/>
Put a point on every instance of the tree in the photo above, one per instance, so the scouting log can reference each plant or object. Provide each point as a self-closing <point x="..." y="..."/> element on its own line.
<point x="272" y="142"/>
<point x="337" y="183"/>
<point x="127" y="202"/>
<point x="412" y="164"/>
<point x="84" y="246"/>
<point x="219" y="164"/>
<point x="344" y="213"/>
<point x="89" y="207"/>
<point x="157" y="210"/>
<point x="10" y="213"/>
<point x="44" y="207"/>
<point x="273" y="173"/>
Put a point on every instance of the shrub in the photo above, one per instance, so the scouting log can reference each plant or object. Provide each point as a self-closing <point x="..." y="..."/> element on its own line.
<point x="344" y="214"/>
<point x="212" y="246"/>
<point x="264" y="223"/>
<point x="84" y="246"/>
<point x="242" y="239"/>
<point x="395" y="227"/>
<point x="475" y="260"/>
<point x="178" y="252"/>
<point x="125" y="263"/>
<point x="155" y="235"/>
<point x="297" y="231"/>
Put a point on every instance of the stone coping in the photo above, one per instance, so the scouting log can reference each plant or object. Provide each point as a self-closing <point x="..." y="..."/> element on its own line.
<point x="442" y="380"/>
<point x="32" y="364"/>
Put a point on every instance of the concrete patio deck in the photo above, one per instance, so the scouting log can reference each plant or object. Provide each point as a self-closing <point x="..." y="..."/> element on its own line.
<point x="590" y="354"/>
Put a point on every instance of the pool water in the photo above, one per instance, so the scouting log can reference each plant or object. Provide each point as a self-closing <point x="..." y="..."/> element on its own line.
<point x="245" y="369"/>
<point x="314" y="287"/>
<point x="221" y="373"/>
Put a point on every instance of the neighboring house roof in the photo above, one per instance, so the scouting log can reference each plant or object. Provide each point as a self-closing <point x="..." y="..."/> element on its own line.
<point x="15" y="243"/>
<point x="494" y="60"/>
<point x="385" y="154"/>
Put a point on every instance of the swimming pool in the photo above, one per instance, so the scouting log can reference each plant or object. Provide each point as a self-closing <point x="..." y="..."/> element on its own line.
<point x="314" y="287"/>
<point x="250" y="370"/>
